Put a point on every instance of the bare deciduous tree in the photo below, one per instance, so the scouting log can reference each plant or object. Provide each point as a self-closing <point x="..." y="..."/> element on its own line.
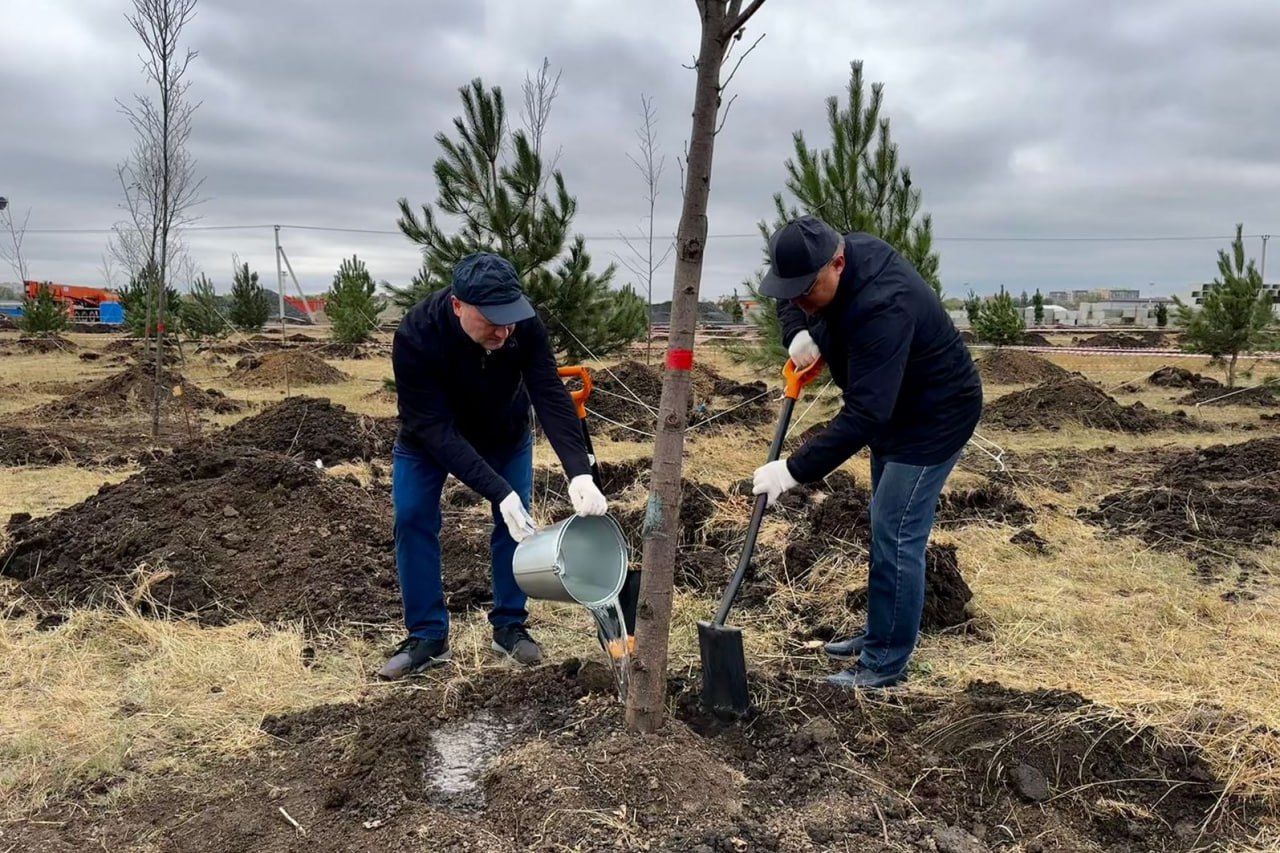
<point x="722" y="26"/>
<point x="11" y="247"/>
<point x="642" y="263"/>
<point x="159" y="176"/>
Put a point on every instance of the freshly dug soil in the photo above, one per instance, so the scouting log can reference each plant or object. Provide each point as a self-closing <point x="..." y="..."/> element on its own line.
<point x="624" y="402"/>
<point x="1073" y="399"/>
<point x="293" y="367"/>
<point x="131" y="392"/>
<point x="1015" y="367"/>
<point x="1180" y="377"/>
<point x="217" y="533"/>
<point x="46" y="344"/>
<point x="312" y="428"/>
<point x="1257" y="397"/>
<point x="1124" y="340"/>
<point x="1035" y="339"/>
<point x="1224" y="496"/>
<point x="22" y="446"/>
<point x="986" y="504"/>
<point x="539" y="760"/>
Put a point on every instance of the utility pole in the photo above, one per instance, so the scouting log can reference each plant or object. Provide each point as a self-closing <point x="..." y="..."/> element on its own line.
<point x="1263" y="271"/>
<point x="280" y="283"/>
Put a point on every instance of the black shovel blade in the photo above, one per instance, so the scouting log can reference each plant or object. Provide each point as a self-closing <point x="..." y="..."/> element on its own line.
<point x="724" y="671"/>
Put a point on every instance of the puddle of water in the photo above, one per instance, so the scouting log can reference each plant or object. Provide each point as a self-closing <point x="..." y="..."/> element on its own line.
<point x="464" y="749"/>
<point x="613" y="626"/>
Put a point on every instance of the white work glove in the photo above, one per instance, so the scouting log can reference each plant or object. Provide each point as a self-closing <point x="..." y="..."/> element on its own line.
<point x="587" y="499"/>
<point x="803" y="350"/>
<point x="773" y="479"/>
<point x="519" y="522"/>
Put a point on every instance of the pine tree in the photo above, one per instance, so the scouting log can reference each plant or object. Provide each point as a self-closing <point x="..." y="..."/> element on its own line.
<point x="201" y="314"/>
<point x="140" y="300"/>
<point x="1038" y="302"/>
<point x="250" y="306"/>
<point x="352" y="304"/>
<point x="43" y="315"/>
<point x="857" y="184"/>
<point x="518" y="207"/>
<point x="973" y="308"/>
<point x="1162" y="315"/>
<point x="1235" y="315"/>
<point x="1000" y="321"/>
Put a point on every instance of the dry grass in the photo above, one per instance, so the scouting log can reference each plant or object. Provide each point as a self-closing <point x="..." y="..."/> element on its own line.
<point x="110" y="694"/>
<point x="1106" y="616"/>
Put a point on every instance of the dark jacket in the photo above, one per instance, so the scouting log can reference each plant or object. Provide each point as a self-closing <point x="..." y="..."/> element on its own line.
<point x="912" y="393"/>
<point x="459" y="402"/>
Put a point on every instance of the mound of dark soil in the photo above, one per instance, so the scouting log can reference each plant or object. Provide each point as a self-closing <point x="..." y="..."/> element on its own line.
<point x="131" y="392"/>
<point x="218" y="533"/>
<point x="1180" y="377"/>
<point x="984" y="504"/>
<point x="1124" y="340"/>
<point x="1257" y="397"/>
<point x="292" y="367"/>
<point x="1224" y="496"/>
<point x="45" y="344"/>
<point x="22" y="446"/>
<point x="1015" y="367"/>
<point x="624" y="402"/>
<point x="537" y="760"/>
<point x="1035" y="339"/>
<point x="1073" y="399"/>
<point x="312" y="428"/>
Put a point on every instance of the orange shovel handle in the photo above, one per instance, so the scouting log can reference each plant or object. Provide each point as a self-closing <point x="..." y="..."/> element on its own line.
<point x="582" y="394"/>
<point x="797" y="379"/>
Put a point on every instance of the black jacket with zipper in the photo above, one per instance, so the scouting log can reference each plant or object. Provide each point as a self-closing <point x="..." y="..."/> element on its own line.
<point x="458" y="402"/>
<point x="912" y="393"/>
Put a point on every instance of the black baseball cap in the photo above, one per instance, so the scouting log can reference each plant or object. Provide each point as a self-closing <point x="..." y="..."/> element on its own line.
<point x="797" y="253"/>
<point x="490" y="283"/>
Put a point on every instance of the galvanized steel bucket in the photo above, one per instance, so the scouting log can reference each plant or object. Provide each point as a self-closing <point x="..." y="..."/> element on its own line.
<point x="581" y="559"/>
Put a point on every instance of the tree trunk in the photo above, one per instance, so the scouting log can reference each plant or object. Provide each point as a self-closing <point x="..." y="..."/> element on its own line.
<point x="1231" y="370"/>
<point x="646" y="699"/>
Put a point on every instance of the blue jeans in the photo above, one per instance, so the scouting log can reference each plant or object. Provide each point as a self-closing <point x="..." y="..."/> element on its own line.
<point x="416" y="486"/>
<point x="903" y="501"/>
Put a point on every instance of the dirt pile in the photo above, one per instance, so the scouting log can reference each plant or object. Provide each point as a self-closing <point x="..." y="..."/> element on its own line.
<point x="1073" y="399"/>
<point x="22" y="446"/>
<point x="985" y="504"/>
<point x="1124" y="340"/>
<point x="312" y="428"/>
<point x="1225" y="497"/>
<point x="1035" y="339"/>
<point x="292" y="367"/>
<point x="624" y="402"/>
<point x="45" y="344"/>
<point x="1257" y="397"/>
<point x="217" y="533"/>
<point x="1015" y="367"/>
<point x="1180" y="377"/>
<point x="131" y="392"/>
<point x="538" y="761"/>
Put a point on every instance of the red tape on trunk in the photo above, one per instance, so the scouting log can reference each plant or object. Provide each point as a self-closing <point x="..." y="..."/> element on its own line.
<point x="680" y="359"/>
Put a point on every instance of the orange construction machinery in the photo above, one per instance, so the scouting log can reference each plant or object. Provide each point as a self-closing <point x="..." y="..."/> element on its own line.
<point x="84" y="304"/>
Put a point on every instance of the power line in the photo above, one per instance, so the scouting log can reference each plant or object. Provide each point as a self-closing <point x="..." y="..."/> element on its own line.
<point x="1167" y="238"/>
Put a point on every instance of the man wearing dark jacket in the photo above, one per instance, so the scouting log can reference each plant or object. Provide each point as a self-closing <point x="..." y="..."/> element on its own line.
<point x="911" y="395"/>
<point x="469" y="361"/>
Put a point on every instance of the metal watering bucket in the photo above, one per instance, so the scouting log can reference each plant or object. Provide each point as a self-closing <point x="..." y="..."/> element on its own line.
<point x="581" y="559"/>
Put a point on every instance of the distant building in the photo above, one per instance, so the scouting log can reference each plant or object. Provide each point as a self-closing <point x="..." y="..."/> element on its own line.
<point x="1197" y="295"/>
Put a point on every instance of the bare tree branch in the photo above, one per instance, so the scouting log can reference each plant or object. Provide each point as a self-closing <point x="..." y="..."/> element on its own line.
<point x="725" y="84"/>
<point x="725" y="115"/>
<point x="11" y="249"/>
<point x="740" y="20"/>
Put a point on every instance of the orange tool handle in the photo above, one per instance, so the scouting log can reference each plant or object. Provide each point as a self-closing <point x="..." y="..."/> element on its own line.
<point x="582" y="394"/>
<point x="796" y="380"/>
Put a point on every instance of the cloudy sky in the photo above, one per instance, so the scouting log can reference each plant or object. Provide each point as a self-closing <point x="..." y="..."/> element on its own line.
<point x="1027" y="125"/>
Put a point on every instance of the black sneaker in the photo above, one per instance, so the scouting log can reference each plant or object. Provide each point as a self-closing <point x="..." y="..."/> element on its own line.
<point x="514" y="642"/>
<point x="415" y="655"/>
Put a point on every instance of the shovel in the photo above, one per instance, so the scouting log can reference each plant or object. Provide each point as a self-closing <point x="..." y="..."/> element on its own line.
<point x="629" y="597"/>
<point x="724" y="666"/>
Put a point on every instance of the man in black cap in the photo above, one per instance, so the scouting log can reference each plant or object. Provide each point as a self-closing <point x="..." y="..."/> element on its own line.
<point x="469" y="361"/>
<point x="911" y="394"/>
